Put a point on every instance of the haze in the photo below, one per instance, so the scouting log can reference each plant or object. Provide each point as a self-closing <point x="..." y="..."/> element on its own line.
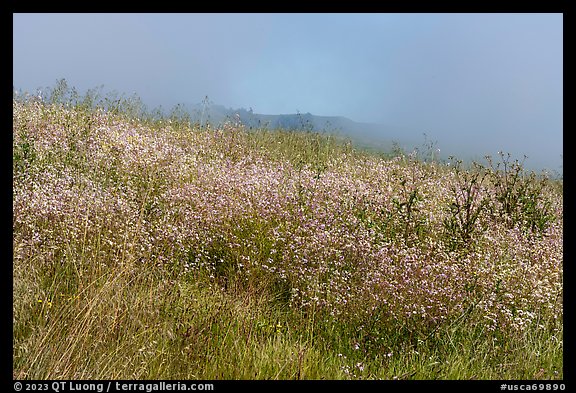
<point x="474" y="83"/>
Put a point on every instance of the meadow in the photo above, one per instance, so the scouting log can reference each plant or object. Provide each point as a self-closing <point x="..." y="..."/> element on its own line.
<point x="149" y="247"/>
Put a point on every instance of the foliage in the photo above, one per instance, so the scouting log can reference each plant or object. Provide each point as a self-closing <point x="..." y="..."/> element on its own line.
<point x="148" y="247"/>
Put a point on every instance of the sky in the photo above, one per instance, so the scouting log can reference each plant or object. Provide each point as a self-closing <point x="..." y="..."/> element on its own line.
<point x="474" y="83"/>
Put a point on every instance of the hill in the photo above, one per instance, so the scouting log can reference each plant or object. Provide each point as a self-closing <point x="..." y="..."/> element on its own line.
<point x="366" y="135"/>
<point x="156" y="249"/>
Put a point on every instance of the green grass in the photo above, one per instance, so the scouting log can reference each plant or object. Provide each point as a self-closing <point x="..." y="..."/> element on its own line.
<point x="150" y="249"/>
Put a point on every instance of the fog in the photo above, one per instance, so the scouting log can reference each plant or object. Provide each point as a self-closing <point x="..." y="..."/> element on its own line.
<point x="474" y="83"/>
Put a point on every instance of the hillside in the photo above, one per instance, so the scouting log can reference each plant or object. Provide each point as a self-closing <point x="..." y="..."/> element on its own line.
<point x="157" y="249"/>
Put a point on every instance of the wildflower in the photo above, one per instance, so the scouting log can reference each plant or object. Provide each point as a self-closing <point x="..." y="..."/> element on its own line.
<point x="47" y="303"/>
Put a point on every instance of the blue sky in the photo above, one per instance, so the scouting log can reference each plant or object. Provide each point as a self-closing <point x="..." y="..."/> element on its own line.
<point x="475" y="83"/>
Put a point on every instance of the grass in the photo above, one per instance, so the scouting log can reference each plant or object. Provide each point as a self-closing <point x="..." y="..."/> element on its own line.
<point x="150" y="248"/>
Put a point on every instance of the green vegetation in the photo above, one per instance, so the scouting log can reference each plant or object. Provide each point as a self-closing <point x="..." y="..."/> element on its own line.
<point x="145" y="247"/>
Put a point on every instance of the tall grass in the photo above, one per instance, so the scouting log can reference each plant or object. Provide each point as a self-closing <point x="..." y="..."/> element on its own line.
<point x="149" y="248"/>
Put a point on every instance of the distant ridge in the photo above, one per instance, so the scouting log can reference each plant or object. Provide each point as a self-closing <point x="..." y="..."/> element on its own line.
<point x="372" y="135"/>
